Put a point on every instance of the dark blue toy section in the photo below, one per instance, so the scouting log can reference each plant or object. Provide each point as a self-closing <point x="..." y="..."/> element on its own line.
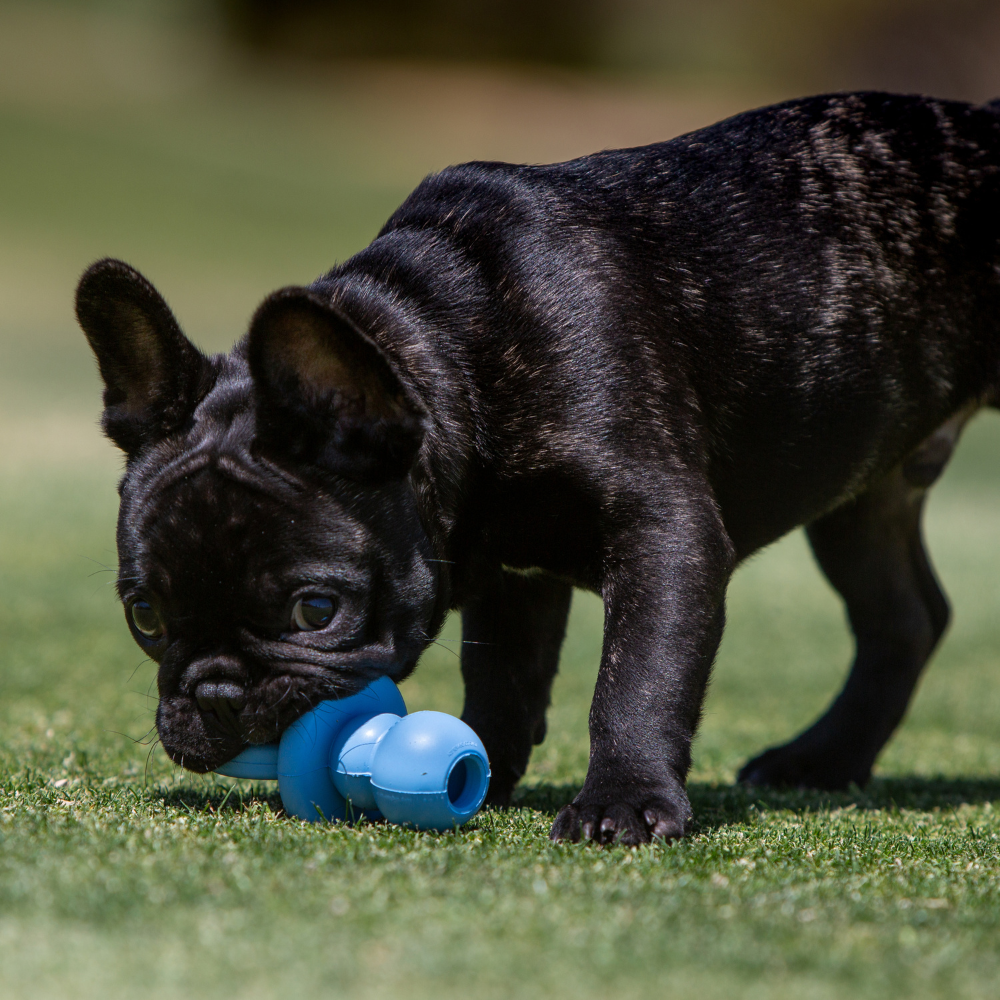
<point x="363" y="755"/>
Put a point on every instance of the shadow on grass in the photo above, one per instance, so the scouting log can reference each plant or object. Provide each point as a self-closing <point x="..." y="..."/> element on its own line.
<point x="714" y="805"/>
<point x="236" y="799"/>
<point x="718" y="805"/>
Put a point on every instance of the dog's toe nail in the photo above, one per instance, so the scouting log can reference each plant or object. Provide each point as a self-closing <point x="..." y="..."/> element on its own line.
<point x="662" y="826"/>
<point x="609" y="830"/>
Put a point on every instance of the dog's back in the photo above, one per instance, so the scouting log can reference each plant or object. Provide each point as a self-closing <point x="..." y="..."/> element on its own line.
<point x="813" y="287"/>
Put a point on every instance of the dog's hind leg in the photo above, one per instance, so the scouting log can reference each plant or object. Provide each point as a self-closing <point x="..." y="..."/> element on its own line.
<point x="872" y="552"/>
<point x="512" y="631"/>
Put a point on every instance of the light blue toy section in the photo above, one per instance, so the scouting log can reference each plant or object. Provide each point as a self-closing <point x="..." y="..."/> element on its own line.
<point x="258" y="762"/>
<point x="363" y="755"/>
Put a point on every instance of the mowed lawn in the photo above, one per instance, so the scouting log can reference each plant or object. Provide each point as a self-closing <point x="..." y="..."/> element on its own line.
<point x="121" y="876"/>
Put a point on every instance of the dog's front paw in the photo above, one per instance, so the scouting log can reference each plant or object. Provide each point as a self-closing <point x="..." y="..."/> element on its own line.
<point x="621" y="822"/>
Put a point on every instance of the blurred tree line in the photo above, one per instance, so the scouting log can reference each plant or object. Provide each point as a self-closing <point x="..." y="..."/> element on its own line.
<point x="951" y="47"/>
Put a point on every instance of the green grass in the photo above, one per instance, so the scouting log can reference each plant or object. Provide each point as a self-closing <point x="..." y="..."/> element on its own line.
<point x="121" y="876"/>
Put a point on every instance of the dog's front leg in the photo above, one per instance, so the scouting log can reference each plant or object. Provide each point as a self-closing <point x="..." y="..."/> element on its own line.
<point x="664" y="605"/>
<point x="512" y="630"/>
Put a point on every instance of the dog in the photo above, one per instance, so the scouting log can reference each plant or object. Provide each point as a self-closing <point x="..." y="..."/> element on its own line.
<point x="625" y="373"/>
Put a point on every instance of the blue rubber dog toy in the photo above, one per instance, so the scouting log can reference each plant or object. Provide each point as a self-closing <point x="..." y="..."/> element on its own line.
<point x="365" y="755"/>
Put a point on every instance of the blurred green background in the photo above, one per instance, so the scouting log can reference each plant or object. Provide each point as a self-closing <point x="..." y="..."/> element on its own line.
<point x="949" y="48"/>
<point x="229" y="148"/>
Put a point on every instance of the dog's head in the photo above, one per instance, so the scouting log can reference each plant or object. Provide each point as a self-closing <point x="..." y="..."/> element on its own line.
<point x="271" y="553"/>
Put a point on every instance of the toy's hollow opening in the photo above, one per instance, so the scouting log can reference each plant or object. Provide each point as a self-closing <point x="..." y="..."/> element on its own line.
<point x="467" y="781"/>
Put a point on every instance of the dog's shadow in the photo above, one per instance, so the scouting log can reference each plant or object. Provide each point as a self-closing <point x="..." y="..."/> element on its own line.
<point x="241" y="797"/>
<point x="714" y="805"/>
<point x="718" y="805"/>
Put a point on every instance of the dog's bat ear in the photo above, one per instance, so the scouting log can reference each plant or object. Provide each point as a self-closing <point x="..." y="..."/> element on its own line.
<point x="327" y="394"/>
<point x="153" y="375"/>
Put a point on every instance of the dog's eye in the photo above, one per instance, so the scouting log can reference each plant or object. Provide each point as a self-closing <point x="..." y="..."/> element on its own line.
<point x="312" y="613"/>
<point x="146" y="621"/>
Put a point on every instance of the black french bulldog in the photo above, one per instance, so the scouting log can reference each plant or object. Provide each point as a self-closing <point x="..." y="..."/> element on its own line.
<point x="624" y="373"/>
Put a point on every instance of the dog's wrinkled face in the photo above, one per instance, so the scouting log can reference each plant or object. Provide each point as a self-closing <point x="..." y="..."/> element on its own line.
<point x="260" y="596"/>
<point x="270" y="550"/>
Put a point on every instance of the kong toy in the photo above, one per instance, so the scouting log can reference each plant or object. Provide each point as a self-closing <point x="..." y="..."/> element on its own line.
<point x="363" y="755"/>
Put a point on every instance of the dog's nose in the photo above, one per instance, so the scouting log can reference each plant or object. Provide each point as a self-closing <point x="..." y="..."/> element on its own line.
<point x="220" y="703"/>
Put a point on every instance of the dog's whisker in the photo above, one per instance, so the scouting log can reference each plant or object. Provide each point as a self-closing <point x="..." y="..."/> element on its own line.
<point x="139" y="741"/>
<point x="97" y="562"/>
<point x="463" y="642"/>
<point x="137" y="666"/>
<point x="145" y="771"/>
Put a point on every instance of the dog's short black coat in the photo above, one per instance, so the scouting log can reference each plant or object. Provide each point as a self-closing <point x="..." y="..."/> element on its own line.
<point x="625" y="373"/>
